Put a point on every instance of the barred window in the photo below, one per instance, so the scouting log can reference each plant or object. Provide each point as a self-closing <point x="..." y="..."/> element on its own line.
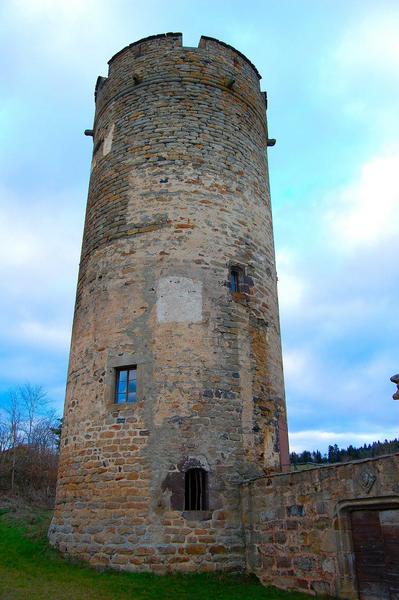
<point x="196" y="492"/>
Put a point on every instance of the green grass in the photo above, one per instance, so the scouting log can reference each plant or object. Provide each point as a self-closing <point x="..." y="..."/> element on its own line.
<point x="30" y="570"/>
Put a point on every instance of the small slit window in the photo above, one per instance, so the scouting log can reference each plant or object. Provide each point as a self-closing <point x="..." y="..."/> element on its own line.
<point x="235" y="279"/>
<point x="196" y="493"/>
<point x="126" y="385"/>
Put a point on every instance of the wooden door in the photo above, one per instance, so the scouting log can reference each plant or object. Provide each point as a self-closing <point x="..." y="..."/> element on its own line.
<point x="376" y="544"/>
<point x="389" y="520"/>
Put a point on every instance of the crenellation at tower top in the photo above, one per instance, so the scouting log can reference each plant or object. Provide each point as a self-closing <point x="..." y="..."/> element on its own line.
<point x="149" y="61"/>
<point x="175" y="40"/>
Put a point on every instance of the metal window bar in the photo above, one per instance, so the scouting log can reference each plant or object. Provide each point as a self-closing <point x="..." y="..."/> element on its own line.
<point x="195" y="490"/>
<point x="187" y="504"/>
<point x="198" y="490"/>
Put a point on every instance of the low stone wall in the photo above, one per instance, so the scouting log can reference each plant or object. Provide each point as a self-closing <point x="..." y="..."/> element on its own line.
<point x="298" y="527"/>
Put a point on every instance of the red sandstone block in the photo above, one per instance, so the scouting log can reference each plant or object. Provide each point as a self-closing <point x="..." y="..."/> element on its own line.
<point x="195" y="549"/>
<point x="179" y="530"/>
<point x="167" y="549"/>
<point x="119" y="560"/>
<point x="144" y="551"/>
<point x="217" y="549"/>
<point x="180" y="559"/>
<point x="206" y="539"/>
<point x="99" y="560"/>
<point x="219" y="515"/>
<point x="133" y="560"/>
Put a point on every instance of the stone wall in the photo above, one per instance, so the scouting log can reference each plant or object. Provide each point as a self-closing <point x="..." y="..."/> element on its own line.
<point x="298" y="530"/>
<point x="178" y="193"/>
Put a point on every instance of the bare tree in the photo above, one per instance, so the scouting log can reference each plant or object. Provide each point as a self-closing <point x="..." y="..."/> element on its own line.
<point x="43" y="436"/>
<point x="4" y="440"/>
<point x="29" y="439"/>
<point x="34" y="401"/>
<point x="14" y="415"/>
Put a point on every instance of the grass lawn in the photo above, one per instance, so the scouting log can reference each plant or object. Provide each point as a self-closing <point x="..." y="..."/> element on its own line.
<point x="30" y="570"/>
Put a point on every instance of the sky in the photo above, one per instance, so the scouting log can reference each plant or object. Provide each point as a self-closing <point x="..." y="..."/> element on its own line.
<point x="331" y="70"/>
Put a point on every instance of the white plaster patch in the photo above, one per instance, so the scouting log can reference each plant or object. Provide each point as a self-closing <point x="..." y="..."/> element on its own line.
<point x="107" y="145"/>
<point x="179" y="299"/>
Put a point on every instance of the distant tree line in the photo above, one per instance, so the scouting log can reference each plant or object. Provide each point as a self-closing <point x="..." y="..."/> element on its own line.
<point x="29" y="443"/>
<point x="335" y="454"/>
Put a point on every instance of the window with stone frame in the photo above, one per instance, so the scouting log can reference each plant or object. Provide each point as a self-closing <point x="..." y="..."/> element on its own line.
<point x="196" y="489"/>
<point x="126" y="385"/>
<point x="236" y="279"/>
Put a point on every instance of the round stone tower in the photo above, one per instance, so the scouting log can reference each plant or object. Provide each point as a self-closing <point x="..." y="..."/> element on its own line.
<point x="175" y="388"/>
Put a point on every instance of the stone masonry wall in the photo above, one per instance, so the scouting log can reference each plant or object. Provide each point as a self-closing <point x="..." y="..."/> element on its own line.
<point x="298" y="530"/>
<point x="178" y="193"/>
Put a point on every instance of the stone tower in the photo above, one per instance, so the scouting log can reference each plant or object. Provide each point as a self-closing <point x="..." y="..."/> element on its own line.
<point x="175" y="387"/>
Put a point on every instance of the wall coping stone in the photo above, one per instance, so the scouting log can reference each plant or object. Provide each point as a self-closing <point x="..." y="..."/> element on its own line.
<point x="319" y="467"/>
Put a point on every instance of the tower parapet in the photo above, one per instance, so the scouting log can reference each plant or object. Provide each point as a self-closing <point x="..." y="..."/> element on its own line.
<point x="175" y="389"/>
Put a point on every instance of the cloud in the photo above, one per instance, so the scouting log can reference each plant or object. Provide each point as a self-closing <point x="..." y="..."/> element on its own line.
<point x="361" y="74"/>
<point x="52" y="335"/>
<point x="365" y="212"/>
<point x="291" y="287"/>
<point x="63" y="29"/>
<point x="40" y="236"/>
<point x="39" y="223"/>
<point x="371" y="44"/>
<point x="302" y="369"/>
<point x="40" y="241"/>
<point x="37" y="368"/>
<point x="338" y="317"/>
<point x="315" y="439"/>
